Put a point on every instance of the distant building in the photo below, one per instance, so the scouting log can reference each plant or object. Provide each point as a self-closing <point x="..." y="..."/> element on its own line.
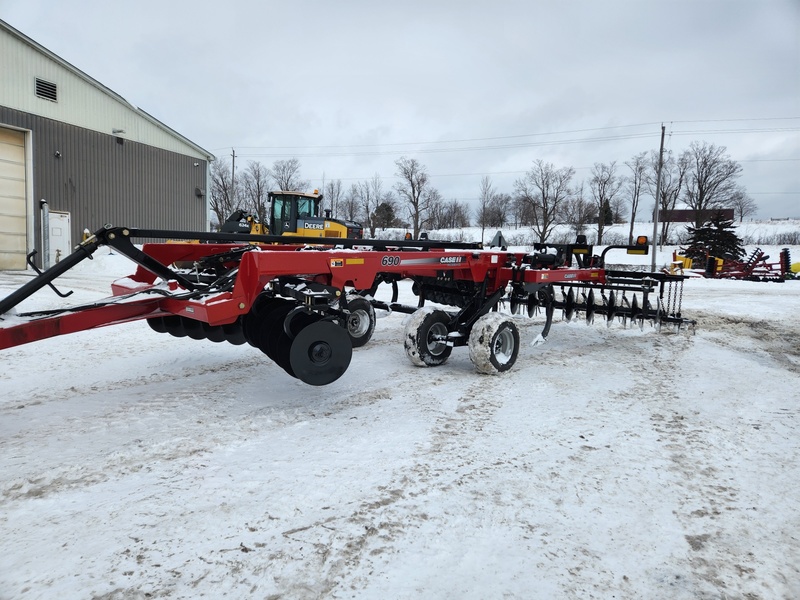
<point x="687" y="215"/>
<point x="91" y="155"/>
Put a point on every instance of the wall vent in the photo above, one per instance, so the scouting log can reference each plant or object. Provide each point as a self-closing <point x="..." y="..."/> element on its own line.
<point x="46" y="90"/>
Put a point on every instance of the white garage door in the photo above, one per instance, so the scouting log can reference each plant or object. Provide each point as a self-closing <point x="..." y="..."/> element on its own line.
<point x="13" y="222"/>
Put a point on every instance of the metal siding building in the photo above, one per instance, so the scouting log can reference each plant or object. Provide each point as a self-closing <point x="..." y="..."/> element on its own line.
<point x="93" y="156"/>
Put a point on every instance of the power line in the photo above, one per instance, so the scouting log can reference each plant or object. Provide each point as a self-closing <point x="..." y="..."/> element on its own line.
<point x="536" y="134"/>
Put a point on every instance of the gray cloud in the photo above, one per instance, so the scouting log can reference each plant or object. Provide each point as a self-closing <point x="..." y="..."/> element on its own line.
<point x="370" y="81"/>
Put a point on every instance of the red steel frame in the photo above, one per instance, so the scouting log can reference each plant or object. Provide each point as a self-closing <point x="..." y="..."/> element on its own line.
<point x="337" y="268"/>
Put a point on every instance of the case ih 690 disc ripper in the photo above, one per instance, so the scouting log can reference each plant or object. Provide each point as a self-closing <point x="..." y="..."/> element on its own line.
<point x="306" y="306"/>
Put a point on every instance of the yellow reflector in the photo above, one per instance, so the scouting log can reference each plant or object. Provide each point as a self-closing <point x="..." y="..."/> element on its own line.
<point x="354" y="261"/>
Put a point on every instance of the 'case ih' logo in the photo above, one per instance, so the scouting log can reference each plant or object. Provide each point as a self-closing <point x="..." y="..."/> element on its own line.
<point x="451" y="260"/>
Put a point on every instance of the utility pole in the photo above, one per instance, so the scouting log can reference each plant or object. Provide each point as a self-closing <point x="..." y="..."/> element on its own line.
<point x="233" y="179"/>
<point x="658" y="200"/>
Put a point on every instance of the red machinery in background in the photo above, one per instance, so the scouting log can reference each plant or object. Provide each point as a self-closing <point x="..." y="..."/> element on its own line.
<point x="754" y="268"/>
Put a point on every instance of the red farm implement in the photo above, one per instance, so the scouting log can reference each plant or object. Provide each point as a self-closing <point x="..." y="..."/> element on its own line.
<point x="306" y="306"/>
<point x="755" y="268"/>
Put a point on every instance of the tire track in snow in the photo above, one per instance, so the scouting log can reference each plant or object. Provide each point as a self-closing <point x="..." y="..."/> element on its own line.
<point x="716" y="517"/>
<point x="365" y="536"/>
<point x="779" y="342"/>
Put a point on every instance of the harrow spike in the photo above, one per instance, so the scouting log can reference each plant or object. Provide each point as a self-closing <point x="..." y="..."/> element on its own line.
<point x="634" y="313"/>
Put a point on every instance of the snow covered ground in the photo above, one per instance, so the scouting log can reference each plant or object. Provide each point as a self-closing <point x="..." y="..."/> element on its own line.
<point x="608" y="463"/>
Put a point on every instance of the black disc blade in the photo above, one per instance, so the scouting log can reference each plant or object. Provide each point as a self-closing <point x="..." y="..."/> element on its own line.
<point x="320" y="353"/>
<point x="611" y="307"/>
<point x="569" y="305"/>
<point x="234" y="333"/>
<point x="214" y="333"/>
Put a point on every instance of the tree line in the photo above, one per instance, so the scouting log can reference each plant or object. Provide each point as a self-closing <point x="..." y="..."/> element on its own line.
<point x="703" y="177"/>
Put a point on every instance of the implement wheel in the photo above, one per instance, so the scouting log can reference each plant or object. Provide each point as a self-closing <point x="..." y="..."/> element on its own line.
<point x="425" y="337"/>
<point x="320" y="353"/>
<point x="360" y="321"/>
<point x="493" y="344"/>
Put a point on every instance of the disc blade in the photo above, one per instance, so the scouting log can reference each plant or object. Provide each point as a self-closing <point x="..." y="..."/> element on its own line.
<point x="320" y="353"/>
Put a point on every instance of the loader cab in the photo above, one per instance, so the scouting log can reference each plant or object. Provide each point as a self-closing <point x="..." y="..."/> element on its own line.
<point x="291" y="211"/>
<point x="298" y="213"/>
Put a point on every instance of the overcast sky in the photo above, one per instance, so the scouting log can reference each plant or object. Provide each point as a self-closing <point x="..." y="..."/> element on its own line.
<point x="469" y="88"/>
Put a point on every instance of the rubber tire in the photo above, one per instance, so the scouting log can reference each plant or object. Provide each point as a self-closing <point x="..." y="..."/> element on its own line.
<point x="493" y="344"/>
<point x="360" y="321"/>
<point x="421" y="351"/>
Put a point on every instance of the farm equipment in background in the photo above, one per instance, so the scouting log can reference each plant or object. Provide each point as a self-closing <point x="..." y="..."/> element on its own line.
<point x="293" y="213"/>
<point x="240" y="221"/>
<point x="754" y="268"/>
<point x="306" y="306"/>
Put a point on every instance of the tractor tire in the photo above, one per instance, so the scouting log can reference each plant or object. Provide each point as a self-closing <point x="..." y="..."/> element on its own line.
<point x="423" y="337"/>
<point x="360" y="321"/>
<point x="493" y="344"/>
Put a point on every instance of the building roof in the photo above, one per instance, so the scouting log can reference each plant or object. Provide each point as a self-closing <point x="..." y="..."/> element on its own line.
<point x="103" y="89"/>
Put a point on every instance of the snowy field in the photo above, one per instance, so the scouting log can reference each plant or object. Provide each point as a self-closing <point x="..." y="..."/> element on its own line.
<point x="608" y="463"/>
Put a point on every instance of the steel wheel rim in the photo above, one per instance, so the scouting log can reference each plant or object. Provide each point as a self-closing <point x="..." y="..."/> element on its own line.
<point x="436" y="346"/>
<point x="504" y="346"/>
<point x="358" y="323"/>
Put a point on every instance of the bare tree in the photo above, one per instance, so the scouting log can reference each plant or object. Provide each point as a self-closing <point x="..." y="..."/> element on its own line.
<point x="673" y="179"/>
<point x="333" y="193"/>
<point x="544" y="188"/>
<point x="350" y="205"/>
<point x="711" y="181"/>
<point x="604" y="186"/>
<point x="635" y="185"/>
<point x="457" y="214"/>
<point x="497" y="211"/>
<point x="521" y="212"/>
<point x="450" y="214"/>
<point x="255" y="189"/>
<point x="371" y="195"/>
<point x="414" y="191"/>
<point x="485" y="196"/>
<point x="578" y="211"/>
<point x="743" y="205"/>
<point x="286" y="174"/>
<point x="434" y="209"/>
<point x="221" y="200"/>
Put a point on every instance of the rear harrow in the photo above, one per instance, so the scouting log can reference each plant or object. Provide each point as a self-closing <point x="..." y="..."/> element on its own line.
<point x="307" y="306"/>
<point x="754" y="268"/>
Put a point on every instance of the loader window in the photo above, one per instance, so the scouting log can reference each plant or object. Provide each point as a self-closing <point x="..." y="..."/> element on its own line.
<point x="306" y="207"/>
<point x="280" y="209"/>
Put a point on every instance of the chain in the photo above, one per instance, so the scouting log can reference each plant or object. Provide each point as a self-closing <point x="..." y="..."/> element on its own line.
<point x="669" y="297"/>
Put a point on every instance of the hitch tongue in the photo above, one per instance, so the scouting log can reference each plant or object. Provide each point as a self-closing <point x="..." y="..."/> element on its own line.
<point x="29" y="260"/>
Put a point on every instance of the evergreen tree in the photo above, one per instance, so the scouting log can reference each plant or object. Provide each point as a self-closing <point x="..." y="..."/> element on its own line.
<point x="716" y="237"/>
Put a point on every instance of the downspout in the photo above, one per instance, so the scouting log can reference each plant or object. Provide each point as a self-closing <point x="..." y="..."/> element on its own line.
<point x="45" y="234"/>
